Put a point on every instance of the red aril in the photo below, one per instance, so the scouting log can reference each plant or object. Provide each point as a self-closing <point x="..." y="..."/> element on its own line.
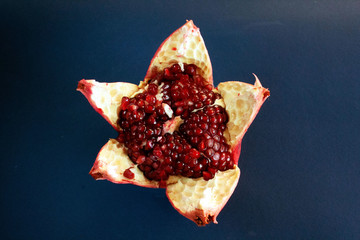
<point x="175" y="129"/>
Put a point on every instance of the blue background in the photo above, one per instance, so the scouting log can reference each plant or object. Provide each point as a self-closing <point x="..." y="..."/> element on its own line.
<point x="300" y="158"/>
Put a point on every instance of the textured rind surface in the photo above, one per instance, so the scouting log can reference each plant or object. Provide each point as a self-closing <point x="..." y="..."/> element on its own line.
<point x="242" y="103"/>
<point x="200" y="200"/>
<point x="105" y="98"/>
<point x="111" y="163"/>
<point x="185" y="45"/>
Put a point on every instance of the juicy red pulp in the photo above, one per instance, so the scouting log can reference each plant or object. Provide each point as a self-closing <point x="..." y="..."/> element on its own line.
<point x="197" y="149"/>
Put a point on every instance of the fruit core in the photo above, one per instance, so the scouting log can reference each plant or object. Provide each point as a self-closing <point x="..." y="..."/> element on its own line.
<point x="172" y="126"/>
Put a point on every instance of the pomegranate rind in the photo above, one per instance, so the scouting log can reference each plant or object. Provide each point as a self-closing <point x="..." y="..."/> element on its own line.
<point x="242" y="103"/>
<point x="197" y="199"/>
<point x="106" y="98"/>
<point x="201" y="201"/>
<point x="111" y="163"/>
<point x="185" y="45"/>
<point x="112" y="160"/>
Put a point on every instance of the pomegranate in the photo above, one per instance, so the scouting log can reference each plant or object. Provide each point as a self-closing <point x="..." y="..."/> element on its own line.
<point x="177" y="131"/>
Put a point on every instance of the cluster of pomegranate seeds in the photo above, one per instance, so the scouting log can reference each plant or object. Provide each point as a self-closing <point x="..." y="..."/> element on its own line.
<point x="204" y="130"/>
<point x="172" y="155"/>
<point x="185" y="90"/>
<point x="198" y="149"/>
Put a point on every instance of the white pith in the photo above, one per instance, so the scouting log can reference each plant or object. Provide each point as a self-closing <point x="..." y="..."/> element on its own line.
<point x="169" y="112"/>
<point x="239" y="99"/>
<point x="172" y="125"/>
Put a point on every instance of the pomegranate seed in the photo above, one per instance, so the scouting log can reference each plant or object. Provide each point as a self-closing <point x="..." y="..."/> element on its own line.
<point x="214" y="163"/>
<point x="174" y="155"/>
<point x="167" y="74"/>
<point x="210" y="143"/>
<point x="124" y="103"/>
<point x="157" y="153"/>
<point x="149" y="133"/>
<point x="139" y="96"/>
<point x="128" y="174"/>
<point x="198" y="79"/>
<point x="171" y="146"/>
<point x="179" y="104"/>
<point x="216" y="156"/>
<point x="150" y="99"/>
<point x="186" y="159"/>
<point x="168" y="160"/>
<point x="209" y="152"/>
<point x="217" y="138"/>
<point x="208" y="87"/>
<point x="160" y="110"/>
<point x="201" y="146"/>
<point x="141" y="128"/>
<point x="155" y="165"/>
<point x="179" y="148"/>
<point x="212" y="131"/>
<point x="151" y="120"/>
<point x="168" y="169"/>
<point x="190" y="69"/>
<point x="198" y="131"/>
<point x="149" y="145"/>
<point x="141" y="103"/>
<point x="152" y="89"/>
<point x="175" y="68"/>
<point x="194" y="153"/>
<point x="140" y="159"/>
<point x="185" y="78"/>
<point x="207" y="176"/>
<point x="149" y="109"/>
<point x="198" y="105"/>
<point x="204" y="118"/>
<point x="222" y="166"/>
<point x="193" y="163"/>
<point x="213" y="119"/>
<point x="203" y="126"/>
<point x="179" y="111"/>
<point x="212" y="171"/>
<point x="198" y="167"/>
<point x="210" y="111"/>
<point x="202" y="97"/>
<point x="179" y="165"/>
<point x="132" y="107"/>
<point x="216" y="146"/>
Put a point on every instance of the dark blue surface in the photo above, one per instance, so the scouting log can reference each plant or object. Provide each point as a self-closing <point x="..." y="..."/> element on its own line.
<point x="300" y="158"/>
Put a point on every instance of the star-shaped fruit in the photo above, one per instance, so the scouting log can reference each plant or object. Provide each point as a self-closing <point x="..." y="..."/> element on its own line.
<point x="176" y="131"/>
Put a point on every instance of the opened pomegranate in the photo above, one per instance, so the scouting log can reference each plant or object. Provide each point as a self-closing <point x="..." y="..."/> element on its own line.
<point x="176" y="130"/>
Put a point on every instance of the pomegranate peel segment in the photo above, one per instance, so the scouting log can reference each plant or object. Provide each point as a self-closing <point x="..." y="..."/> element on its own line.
<point x="105" y="98"/>
<point x="111" y="163"/>
<point x="242" y="103"/>
<point x="200" y="200"/>
<point x="185" y="45"/>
